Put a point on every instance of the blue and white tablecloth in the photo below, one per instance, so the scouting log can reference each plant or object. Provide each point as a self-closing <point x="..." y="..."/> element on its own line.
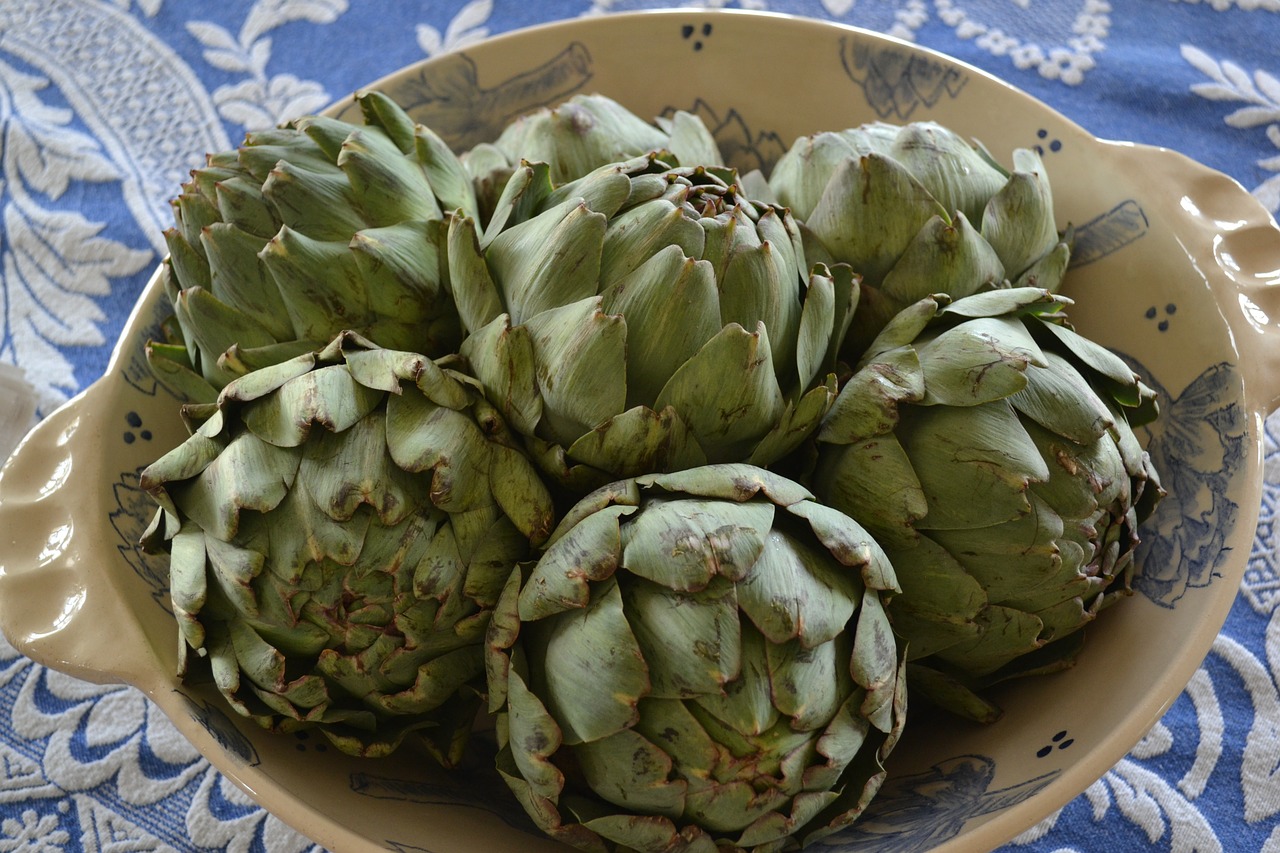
<point x="106" y="104"/>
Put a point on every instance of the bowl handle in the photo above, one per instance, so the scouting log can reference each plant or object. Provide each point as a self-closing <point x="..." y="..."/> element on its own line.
<point x="1230" y="227"/>
<point x="57" y="604"/>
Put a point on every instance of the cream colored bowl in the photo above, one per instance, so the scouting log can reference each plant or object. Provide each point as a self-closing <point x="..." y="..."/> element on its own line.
<point x="1176" y="266"/>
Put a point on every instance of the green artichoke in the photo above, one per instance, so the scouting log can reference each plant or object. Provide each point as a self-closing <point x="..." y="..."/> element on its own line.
<point x="699" y="661"/>
<point x="647" y="318"/>
<point x="581" y="135"/>
<point x="990" y="450"/>
<point x="307" y="230"/>
<point x="917" y="210"/>
<point x="340" y="526"/>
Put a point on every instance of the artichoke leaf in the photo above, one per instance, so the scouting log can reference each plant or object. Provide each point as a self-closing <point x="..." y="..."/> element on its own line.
<point x="1083" y="479"/>
<point x="821" y="323"/>
<point x="188" y="583"/>
<point x="637" y="441"/>
<point x="523" y="194"/>
<point x="762" y="283"/>
<point x="934" y="585"/>
<point x="953" y="171"/>
<point x="875" y="482"/>
<point x="587" y="553"/>
<point x="438" y="681"/>
<point x="580" y="362"/>
<point x="610" y="187"/>
<point x="407" y="274"/>
<point x="639" y="233"/>
<point x="874" y="665"/>
<point x="548" y="261"/>
<point x="445" y="173"/>
<point x="183" y="462"/>
<point x="648" y="833"/>
<point x="1116" y="379"/>
<point x="1062" y="401"/>
<point x="808" y="681"/>
<point x="328" y="396"/>
<point x="745" y="707"/>
<point x="794" y="593"/>
<point x="520" y="492"/>
<point x="312" y="302"/>
<point x="727" y="393"/>
<point x="690" y="639"/>
<point x="870" y="211"/>
<point x="1008" y="302"/>
<point x="231" y="568"/>
<point x="946" y="691"/>
<point x="215" y="327"/>
<point x="732" y="481"/>
<point x="238" y="278"/>
<point x="315" y="200"/>
<point x="421" y="437"/>
<point x="867" y="405"/>
<point x="475" y="292"/>
<point x="670" y="305"/>
<point x="802" y="172"/>
<point x="683" y="544"/>
<point x="1006" y="634"/>
<point x="592" y="667"/>
<point x="631" y="772"/>
<point x="1049" y="270"/>
<point x="975" y="464"/>
<point x="380" y="111"/>
<point x="944" y="257"/>
<point x="386" y="185"/>
<point x="248" y="474"/>
<point x="671" y="724"/>
<point x="1018" y="221"/>
<point x="849" y="543"/>
<point x="344" y="472"/>
<point x="902" y="328"/>
<point x="799" y="420"/>
<point x="240" y="203"/>
<point x="840" y="744"/>
<point x="978" y="361"/>
<point x="690" y="141"/>
<point x="534" y="738"/>
<point x="501" y="358"/>
<point x="1013" y="558"/>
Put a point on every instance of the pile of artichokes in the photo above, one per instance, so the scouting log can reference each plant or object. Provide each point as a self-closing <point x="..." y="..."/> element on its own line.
<point x="679" y="481"/>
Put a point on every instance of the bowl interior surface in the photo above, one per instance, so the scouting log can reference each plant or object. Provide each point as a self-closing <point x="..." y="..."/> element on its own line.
<point x="952" y="786"/>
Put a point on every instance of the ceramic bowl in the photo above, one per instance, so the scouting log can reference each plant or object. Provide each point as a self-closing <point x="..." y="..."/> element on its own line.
<point x="1176" y="267"/>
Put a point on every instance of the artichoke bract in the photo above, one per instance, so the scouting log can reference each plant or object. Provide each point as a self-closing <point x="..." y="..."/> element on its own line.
<point x="647" y="318"/>
<point x="990" y="449"/>
<point x="698" y="661"/>
<point x="579" y="136"/>
<point x="340" y="526"/>
<point x="307" y="230"/>
<point x="918" y="210"/>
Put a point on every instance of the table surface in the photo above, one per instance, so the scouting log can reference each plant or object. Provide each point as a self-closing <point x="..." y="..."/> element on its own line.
<point x="97" y="97"/>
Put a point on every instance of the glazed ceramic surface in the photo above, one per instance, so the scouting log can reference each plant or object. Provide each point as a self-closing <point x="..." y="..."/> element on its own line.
<point x="1161" y="243"/>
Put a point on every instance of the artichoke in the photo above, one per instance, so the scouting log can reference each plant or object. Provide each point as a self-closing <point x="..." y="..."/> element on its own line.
<point x="647" y="318"/>
<point x="307" y="230"/>
<point x="699" y="661"/>
<point x="917" y="210"/>
<point x="340" y="526"/>
<point x="581" y="135"/>
<point x="990" y="450"/>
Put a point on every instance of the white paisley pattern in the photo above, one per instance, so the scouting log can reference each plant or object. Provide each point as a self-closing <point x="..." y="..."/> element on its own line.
<point x="105" y="105"/>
